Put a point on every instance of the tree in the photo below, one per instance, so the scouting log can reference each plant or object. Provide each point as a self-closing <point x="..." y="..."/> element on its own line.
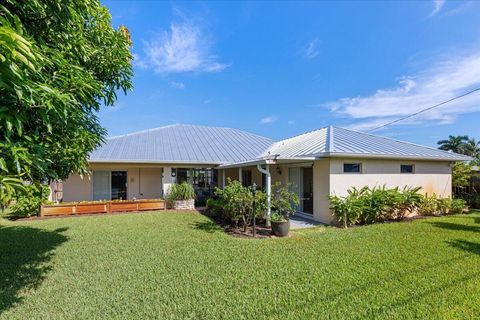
<point x="461" y="173"/>
<point x="453" y="143"/>
<point x="472" y="148"/>
<point x="59" y="63"/>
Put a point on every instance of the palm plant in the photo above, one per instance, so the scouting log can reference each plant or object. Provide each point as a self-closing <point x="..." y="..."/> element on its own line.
<point x="453" y="143"/>
<point x="472" y="148"/>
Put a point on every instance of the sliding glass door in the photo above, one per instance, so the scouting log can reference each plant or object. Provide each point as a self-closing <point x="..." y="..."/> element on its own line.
<point x="109" y="185"/>
<point x="301" y="183"/>
<point x="101" y="185"/>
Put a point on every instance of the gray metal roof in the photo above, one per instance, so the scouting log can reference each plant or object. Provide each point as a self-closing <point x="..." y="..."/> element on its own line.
<point x="333" y="141"/>
<point x="182" y="144"/>
<point x="192" y="144"/>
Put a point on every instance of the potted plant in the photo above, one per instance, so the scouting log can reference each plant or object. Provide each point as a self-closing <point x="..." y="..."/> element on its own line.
<point x="284" y="204"/>
<point x="182" y="196"/>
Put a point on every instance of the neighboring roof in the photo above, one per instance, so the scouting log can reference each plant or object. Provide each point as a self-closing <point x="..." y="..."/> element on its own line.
<point x="182" y="144"/>
<point x="339" y="142"/>
<point x="192" y="144"/>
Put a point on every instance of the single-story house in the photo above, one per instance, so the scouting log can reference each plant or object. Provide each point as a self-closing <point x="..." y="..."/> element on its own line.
<point x="315" y="164"/>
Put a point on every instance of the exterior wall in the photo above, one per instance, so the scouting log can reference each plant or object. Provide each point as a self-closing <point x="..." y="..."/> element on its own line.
<point x="321" y="191"/>
<point x="433" y="177"/>
<point x="142" y="183"/>
<point x="76" y="188"/>
<point x="231" y="173"/>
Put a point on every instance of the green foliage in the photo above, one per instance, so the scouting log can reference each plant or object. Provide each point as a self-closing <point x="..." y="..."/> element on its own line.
<point x="284" y="202"/>
<point x="457" y="206"/>
<point x="58" y="64"/>
<point x="183" y="191"/>
<point x="461" y="173"/>
<point x="215" y="207"/>
<point x="277" y="217"/>
<point x="28" y="202"/>
<point x="370" y="205"/>
<point x="432" y="205"/>
<point x="238" y="202"/>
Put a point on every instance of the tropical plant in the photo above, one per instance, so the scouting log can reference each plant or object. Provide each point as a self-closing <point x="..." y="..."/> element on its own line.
<point x="457" y="206"/>
<point x="28" y="202"/>
<point x="283" y="202"/>
<point x="182" y="191"/>
<point x="453" y="143"/>
<point x="472" y="148"/>
<point x="59" y="63"/>
<point x="429" y="206"/>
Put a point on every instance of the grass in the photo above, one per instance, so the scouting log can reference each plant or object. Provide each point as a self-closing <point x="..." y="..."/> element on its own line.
<point x="169" y="265"/>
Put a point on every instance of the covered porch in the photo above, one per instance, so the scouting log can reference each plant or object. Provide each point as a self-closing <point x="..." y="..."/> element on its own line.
<point x="302" y="176"/>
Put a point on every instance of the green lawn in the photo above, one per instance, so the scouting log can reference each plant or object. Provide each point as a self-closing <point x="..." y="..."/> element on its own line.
<point x="180" y="266"/>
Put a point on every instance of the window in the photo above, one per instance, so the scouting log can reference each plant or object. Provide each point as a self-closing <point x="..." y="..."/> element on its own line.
<point x="407" y="168"/>
<point x="352" y="167"/>
<point x="246" y="178"/>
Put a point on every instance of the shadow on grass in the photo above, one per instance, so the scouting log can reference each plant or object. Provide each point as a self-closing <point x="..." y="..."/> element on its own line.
<point x="455" y="226"/>
<point x="465" y="245"/>
<point x="25" y="253"/>
<point x="208" y="226"/>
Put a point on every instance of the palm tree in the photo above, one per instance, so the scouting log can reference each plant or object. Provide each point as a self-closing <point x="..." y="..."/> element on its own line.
<point x="453" y="143"/>
<point x="472" y="148"/>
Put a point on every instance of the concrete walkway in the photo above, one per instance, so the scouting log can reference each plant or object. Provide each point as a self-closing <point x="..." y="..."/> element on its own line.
<point x="300" y="222"/>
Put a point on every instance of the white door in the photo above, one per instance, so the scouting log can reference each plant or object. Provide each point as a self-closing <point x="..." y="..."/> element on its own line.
<point x="101" y="185"/>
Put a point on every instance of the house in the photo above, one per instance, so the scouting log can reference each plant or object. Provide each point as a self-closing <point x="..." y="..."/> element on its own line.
<point x="315" y="164"/>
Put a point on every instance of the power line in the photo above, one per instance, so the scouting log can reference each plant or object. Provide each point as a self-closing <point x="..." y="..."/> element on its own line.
<point x="424" y="110"/>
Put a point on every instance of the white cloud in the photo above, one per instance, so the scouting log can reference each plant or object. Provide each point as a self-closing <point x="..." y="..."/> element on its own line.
<point x="178" y="85"/>
<point x="437" y="6"/>
<point x="184" y="48"/>
<point x="138" y="61"/>
<point x="311" y="50"/>
<point x="269" y="119"/>
<point x="439" y="83"/>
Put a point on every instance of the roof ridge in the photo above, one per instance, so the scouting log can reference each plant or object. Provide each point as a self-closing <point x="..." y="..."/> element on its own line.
<point x="397" y="140"/>
<point x="189" y="125"/>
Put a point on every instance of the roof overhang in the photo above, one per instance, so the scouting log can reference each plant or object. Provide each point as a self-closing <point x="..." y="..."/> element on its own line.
<point x="254" y="162"/>
<point x="390" y="156"/>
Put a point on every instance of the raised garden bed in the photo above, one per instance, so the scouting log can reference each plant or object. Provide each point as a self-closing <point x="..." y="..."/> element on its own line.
<point x="101" y="207"/>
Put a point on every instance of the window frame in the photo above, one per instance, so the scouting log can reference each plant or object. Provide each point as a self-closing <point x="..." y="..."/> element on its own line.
<point x="360" y="165"/>
<point x="407" y="165"/>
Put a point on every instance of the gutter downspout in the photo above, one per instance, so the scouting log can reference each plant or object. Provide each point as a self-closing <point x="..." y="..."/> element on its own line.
<point x="269" y="190"/>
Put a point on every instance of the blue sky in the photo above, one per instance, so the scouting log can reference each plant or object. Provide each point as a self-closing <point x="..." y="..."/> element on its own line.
<point x="280" y="69"/>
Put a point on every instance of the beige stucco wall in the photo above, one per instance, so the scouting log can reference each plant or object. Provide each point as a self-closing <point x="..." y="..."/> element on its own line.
<point x="321" y="191"/>
<point x="432" y="176"/>
<point x="76" y="188"/>
<point x="142" y="183"/>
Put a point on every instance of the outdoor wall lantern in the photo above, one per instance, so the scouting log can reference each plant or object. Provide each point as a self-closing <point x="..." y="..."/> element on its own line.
<point x="279" y="171"/>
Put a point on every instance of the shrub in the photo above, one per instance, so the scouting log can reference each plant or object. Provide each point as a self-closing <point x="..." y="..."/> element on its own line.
<point x="215" y="207"/>
<point x="28" y="202"/>
<point x="457" y="206"/>
<point x="429" y="206"/>
<point x="284" y="202"/>
<point x="370" y="205"/>
<point x="183" y="191"/>
<point x="238" y="202"/>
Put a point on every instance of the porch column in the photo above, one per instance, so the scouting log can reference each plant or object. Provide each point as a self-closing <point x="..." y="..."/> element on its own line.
<point x="224" y="178"/>
<point x="240" y="175"/>
<point x="166" y="180"/>
<point x="268" y="189"/>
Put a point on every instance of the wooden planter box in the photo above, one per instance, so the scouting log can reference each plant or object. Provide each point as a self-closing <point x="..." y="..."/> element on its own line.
<point x="101" y="207"/>
<point x="57" y="210"/>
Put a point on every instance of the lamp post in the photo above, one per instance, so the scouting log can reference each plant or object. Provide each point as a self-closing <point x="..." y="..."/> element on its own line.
<point x="254" y="189"/>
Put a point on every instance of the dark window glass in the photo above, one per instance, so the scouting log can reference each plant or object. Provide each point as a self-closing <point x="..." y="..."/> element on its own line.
<point x="406" y="168"/>
<point x="352" y="167"/>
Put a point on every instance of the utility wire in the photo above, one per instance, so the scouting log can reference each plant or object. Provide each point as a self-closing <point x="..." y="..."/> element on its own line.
<point x="424" y="110"/>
